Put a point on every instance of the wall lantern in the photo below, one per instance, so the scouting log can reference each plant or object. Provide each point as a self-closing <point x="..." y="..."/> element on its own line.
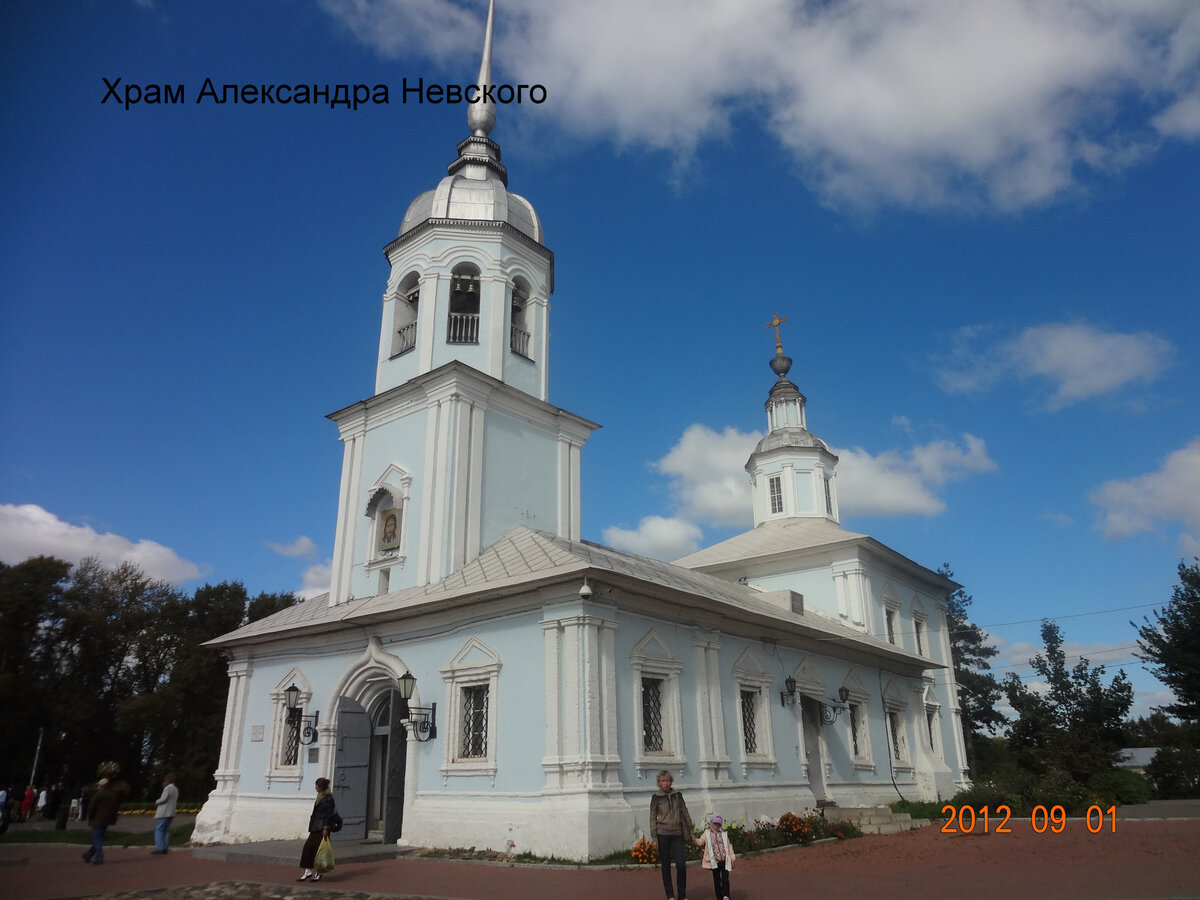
<point x="306" y="724"/>
<point x="829" y="711"/>
<point x="422" y="719"/>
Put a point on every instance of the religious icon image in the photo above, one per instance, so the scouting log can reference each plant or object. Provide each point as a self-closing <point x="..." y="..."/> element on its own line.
<point x="389" y="531"/>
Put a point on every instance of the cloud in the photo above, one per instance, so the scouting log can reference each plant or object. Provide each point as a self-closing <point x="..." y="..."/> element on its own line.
<point x="920" y="103"/>
<point x="898" y="483"/>
<point x="1171" y="494"/>
<point x="28" y="530"/>
<point x="708" y="475"/>
<point x="657" y="537"/>
<point x="1080" y="361"/>
<point x="709" y="487"/>
<point x="302" y="546"/>
<point x="316" y="581"/>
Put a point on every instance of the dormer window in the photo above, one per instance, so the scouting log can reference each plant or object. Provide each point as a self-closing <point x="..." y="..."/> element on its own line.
<point x="462" y="326"/>
<point x="775" y="489"/>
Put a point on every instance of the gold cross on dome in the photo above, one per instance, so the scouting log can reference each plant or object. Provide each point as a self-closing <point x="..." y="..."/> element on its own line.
<point x="775" y="322"/>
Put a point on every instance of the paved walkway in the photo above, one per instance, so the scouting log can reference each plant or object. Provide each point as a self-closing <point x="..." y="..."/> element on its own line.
<point x="1152" y="858"/>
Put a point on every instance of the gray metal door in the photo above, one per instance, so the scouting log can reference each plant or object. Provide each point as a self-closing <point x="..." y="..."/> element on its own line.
<point x="350" y="769"/>
<point x="393" y="810"/>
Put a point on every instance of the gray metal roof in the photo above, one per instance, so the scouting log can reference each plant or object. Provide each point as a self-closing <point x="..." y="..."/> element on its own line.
<point x="770" y="538"/>
<point x="525" y="558"/>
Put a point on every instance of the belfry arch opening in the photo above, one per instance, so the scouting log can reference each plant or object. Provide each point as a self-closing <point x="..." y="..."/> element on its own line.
<point x="462" y="324"/>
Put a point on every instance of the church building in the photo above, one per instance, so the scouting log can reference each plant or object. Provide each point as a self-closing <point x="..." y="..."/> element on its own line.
<point x="479" y="675"/>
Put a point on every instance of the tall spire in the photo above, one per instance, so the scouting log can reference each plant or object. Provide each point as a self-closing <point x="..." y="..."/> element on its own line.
<point x="481" y="115"/>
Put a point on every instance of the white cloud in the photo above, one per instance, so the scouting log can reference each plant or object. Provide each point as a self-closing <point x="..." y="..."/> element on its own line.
<point x="708" y="475"/>
<point x="316" y="581"/>
<point x="656" y="537"/>
<point x="1171" y="494"/>
<point x="897" y="483"/>
<point x="924" y="103"/>
<point x="709" y="487"/>
<point x="1079" y="360"/>
<point x="302" y="546"/>
<point x="28" y="530"/>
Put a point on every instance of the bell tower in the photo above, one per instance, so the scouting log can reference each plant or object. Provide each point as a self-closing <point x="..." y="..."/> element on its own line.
<point x="458" y="445"/>
<point x="792" y="471"/>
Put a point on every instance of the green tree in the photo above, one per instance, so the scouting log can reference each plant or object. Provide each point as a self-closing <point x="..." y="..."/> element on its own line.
<point x="980" y="691"/>
<point x="1172" y="643"/>
<point x="1075" y="725"/>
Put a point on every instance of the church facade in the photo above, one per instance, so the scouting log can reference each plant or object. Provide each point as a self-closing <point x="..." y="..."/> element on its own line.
<point x="479" y="675"/>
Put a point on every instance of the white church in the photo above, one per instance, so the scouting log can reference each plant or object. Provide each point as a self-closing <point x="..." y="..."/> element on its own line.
<point x="479" y="675"/>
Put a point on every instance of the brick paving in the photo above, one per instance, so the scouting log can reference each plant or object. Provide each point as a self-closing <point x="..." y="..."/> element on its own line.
<point x="1143" y="860"/>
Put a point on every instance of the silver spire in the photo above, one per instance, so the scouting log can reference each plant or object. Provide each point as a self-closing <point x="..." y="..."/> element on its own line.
<point x="481" y="115"/>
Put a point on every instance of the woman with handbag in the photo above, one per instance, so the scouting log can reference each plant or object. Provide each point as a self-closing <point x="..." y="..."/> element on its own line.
<point x="323" y="814"/>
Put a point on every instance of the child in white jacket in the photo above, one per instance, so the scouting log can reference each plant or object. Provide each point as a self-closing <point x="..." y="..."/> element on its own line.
<point x="718" y="856"/>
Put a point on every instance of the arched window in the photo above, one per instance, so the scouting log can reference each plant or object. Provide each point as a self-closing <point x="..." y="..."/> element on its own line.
<point x="462" y="327"/>
<point x="404" y="334"/>
<point x="519" y="333"/>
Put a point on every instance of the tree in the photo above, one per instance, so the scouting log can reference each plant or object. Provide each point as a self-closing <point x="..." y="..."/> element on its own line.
<point x="970" y="653"/>
<point x="1172" y="643"/>
<point x="1075" y="724"/>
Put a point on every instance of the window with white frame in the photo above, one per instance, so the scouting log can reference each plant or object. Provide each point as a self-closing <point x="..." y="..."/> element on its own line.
<point x="896" y="714"/>
<point x="657" y="705"/>
<point x="933" y="725"/>
<point x="472" y="684"/>
<point x="919" y="635"/>
<point x="286" y="761"/>
<point x="889" y="617"/>
<point x="858" y="725"/>
<point x="474" y="722"/>
<point x="753" y="683"/>
<point x="775" y="489"/>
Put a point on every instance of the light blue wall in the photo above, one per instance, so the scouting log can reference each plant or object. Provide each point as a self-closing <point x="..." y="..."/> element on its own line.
<point x="507" y="501"/>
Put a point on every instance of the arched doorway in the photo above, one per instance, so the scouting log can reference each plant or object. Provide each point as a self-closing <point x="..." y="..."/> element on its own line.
<point x="369" y="768"/>
<point x="811" y="717"/>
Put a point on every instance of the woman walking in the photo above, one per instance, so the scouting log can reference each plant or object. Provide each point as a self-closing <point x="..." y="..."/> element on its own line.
<point x="318" y="827"/>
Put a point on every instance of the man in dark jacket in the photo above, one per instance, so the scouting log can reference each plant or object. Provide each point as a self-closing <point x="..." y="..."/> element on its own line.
<point x="101" y="812"/>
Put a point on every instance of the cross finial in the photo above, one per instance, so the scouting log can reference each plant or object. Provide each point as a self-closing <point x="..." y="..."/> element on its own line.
<point x="775" y="322"/>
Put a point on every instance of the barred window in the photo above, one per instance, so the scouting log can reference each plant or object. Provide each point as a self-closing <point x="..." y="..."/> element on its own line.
<point x="775" y="486"/>
<point x="291" y="743"/>
<point x="855" y="727"/>
<point x="889" y="616"/>
<point x="474" y="721"/>
<point x="918" y="630"/>
<point x="749" y="721"/>
<point x="897" y="735"/>
<point x="652" y="719"/>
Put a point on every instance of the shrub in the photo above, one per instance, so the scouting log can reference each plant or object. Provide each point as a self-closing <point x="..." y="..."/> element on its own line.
<point x="1121" y="786"/>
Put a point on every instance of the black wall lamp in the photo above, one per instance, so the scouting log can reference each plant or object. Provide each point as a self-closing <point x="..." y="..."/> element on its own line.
<point x="829" y="711"/>
<point x="308" y="729"/>
<point x="422" y="719"/>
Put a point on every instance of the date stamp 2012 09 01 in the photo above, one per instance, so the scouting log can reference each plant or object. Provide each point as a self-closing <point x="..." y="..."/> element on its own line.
<point x="988" y="820"/>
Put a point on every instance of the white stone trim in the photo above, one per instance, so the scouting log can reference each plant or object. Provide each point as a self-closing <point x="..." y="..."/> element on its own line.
<point x="652" y="657"/>
<point x="751" y="676"/>
<point x="278" y="772"/>
<point x="476" y="664"/>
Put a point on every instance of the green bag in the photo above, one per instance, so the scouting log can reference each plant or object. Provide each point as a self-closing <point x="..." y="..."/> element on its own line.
<point x="324" y="860"/>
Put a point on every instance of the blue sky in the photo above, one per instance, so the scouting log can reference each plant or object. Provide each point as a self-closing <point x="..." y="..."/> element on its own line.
<point x="981" y="221"/>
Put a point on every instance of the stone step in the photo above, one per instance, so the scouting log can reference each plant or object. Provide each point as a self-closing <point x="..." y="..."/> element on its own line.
<point x="875" y="819"/>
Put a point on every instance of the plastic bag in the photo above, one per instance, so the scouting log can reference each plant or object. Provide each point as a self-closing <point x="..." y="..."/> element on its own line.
<point x="323" y="862"/>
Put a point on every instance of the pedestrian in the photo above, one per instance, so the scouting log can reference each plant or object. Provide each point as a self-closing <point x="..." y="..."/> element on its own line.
<point x="670" y="825"/>
<point x="101" y="812"/>
<point x="323" y="813"/>
<point x="41" y="803"/>
<point x="27" y="803"/>
<point x="718" y="856"/>
<point x="164" y="814"/>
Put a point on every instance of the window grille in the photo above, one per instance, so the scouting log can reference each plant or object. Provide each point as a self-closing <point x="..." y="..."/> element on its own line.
<point x="474" y="721"/>
<point x="894" y="725"/>
<point x="291" y="747"/>
<point x="749" y="721"/>
<point x="854" y="726"/>
<point x="776" y="488"/>
<point x="918" y="628"/>
<point x="890" y="618"/>
<point x="652" y="724"/>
